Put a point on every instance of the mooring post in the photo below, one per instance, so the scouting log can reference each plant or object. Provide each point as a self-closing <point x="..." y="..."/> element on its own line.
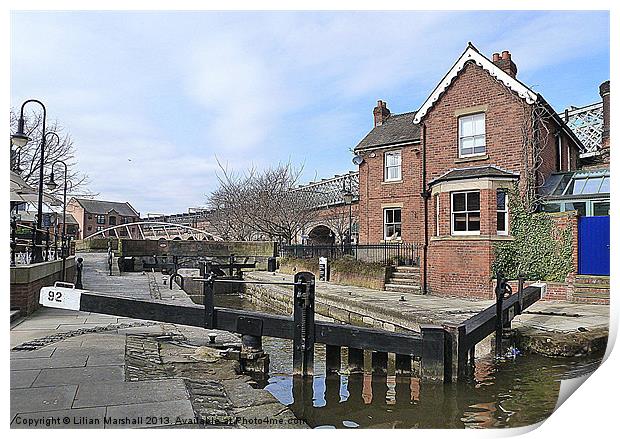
<point x="355" y="360"/>
<point x="78" y="273"/>
<point x="499" y="302"/>
<point x="303" y="316"/>
<point x="207" y="297"/>
<point x="379" y="363"/>
<point x="433" y="353"/>
<point x="332" y="359"/>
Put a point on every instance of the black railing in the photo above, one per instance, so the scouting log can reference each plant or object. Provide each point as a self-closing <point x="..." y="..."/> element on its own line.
<point x="384" y="253"/>
<point x="23" y="243"/>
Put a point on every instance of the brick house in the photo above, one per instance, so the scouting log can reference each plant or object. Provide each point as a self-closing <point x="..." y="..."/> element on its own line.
<point x="96" y="215"/>
<point x="439" y="176"/>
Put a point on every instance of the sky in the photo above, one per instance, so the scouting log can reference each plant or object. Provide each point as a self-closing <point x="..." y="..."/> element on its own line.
<point x="154" y="100"/>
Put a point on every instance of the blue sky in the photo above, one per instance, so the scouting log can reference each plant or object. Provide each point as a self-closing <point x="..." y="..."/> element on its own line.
<point x="152" y="98"/>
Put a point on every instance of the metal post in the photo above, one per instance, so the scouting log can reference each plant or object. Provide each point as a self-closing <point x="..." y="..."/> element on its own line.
<point x="33" y="253"/>
<point x="303" y="316"/>
<point x="499" y="302"/>
<point x="78" y="273"/>
<point x="520" y="292"/>
<point x="207" y="297"/>
<point x="47" y="245"/>
<point x="56" y="243"/>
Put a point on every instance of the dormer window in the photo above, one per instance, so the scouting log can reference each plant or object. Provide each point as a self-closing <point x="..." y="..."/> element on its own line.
<point x="472" y="135"/>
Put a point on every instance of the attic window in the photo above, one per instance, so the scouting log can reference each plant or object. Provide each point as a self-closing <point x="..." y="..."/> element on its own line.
<point x="472" y="135"/>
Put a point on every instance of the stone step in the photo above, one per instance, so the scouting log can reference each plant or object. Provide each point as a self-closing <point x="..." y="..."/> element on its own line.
<point x="405" y="275"/>
<point x="586" y="280"/>
<point x="407" y="269"/>
<point x="413" y="282"/>
<point x="403" y="288"/>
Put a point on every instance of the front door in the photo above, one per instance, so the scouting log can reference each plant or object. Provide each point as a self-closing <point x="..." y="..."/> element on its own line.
<point x="594" y="245"/>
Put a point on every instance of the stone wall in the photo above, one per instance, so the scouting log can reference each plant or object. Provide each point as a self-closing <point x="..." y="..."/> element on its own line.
<point x="162" y="247"/>
<point x="341" y="272"/>
<point x="27" y="281"/>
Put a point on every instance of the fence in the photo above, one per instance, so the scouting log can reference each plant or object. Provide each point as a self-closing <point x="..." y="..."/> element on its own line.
<point x="385" y="253"/>
<point x="24" y="243"/>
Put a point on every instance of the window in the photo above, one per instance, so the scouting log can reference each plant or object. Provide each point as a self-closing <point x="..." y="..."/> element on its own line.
<point x="392" y="223"/>
<point x="579" y="206"/>
<point x="100" y="228"/>
<point x="90" y="217"/>
<point x="437" y="215"/>
<point x="112" y="220"/>
<point x="100" y="219"/>
<point x="600" y="208"/>
<point x="472" y="135"/>
<point x="551" y="207"/>
<point x="466" y="213"/>
<point x="392" y="166"/>
<point x="502" y="212"/>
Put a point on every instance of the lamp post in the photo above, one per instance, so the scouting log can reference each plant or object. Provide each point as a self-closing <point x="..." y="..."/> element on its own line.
<point x="347" y="194"/>
<point x="20" y="139"/>
<point x="52" y="185"/>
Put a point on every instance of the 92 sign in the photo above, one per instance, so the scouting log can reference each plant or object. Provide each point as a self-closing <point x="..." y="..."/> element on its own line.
<point x="60" y="297"/>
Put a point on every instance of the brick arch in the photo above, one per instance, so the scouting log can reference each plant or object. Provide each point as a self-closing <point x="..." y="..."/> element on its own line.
<point x="321" y="234"/>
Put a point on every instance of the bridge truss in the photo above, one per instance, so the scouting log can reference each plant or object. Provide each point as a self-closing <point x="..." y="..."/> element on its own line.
<point x="154" y="230"/>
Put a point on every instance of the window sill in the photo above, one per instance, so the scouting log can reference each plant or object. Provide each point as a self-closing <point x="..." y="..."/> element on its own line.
<point x="472" y="238"/>
<point x="472" y="158"/>
<point x="391" y="241"/>
<point x="392" y="181"/>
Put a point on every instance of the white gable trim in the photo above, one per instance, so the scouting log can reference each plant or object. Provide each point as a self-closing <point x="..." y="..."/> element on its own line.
<point x="471" y="54"/>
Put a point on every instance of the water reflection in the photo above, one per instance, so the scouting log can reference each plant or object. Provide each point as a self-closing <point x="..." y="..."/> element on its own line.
<point x="509" y="393"/>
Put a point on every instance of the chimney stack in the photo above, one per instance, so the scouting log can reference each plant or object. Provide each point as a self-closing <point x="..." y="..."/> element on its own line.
<point x="381" y="113"/>
<point x="504" y="62"/>
<point x="604" y="92"/>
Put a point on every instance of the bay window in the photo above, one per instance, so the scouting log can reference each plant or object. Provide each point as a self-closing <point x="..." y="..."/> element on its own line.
<point x="502" y="212"/>
<point x="465" y="213"/>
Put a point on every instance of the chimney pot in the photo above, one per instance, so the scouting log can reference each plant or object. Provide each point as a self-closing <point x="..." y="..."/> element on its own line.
<point x="505" y="63"/>
<point x="380" y="113"/>
<point x="495" y="57"/>
<point x="505" y="54"/>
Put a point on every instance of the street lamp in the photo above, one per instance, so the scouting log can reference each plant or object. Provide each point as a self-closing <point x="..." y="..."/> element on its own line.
<point x="20" y="139"/>
<point x="347" y="194"/>
<point x="51" y="184"/>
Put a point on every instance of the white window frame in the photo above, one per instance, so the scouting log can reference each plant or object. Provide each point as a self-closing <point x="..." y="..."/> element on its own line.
<point x="474" y="136"/>
<point x="504" y="211"/>
<point x="398" y="166"/>
<point x="386" y="224"/>
<point x="466" y="211"/>
<point x="437" y="214"/>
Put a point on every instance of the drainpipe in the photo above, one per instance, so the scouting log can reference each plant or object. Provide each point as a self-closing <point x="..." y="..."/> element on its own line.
<point x="426" y="195"/>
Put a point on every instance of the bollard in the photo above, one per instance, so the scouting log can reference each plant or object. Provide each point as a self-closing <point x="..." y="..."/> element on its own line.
<point x="78" y="273"/>
<point x="303" y="316"/>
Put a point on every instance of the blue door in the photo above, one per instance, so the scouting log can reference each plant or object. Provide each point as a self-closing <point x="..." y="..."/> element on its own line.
<point x="594" y="245"/>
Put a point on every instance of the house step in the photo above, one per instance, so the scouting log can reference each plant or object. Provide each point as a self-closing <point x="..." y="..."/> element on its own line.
<point x="405" y="281"/>
<point x="414" y="289"/>
<point x="582" y="280"/>
<point x="401" y="275"/>
<point x="406" y="269"/>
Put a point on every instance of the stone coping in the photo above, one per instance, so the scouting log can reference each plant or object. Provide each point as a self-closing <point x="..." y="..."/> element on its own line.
<point x="23" y="274"/>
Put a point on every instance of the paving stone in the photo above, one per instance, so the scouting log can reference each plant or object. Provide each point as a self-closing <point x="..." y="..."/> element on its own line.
<point x="79" y="375"/>
<point x="42" y="399"/>
<point x="241" y="394"/>
<point x="47" y="363"/>
<point x="72" y="418"/>
<point x="136" y="392"/>
<point x="109" y="359"/>
<point x="178" y="412"/>
<point x="45" y="352"/>
<point x="23" y="378"/>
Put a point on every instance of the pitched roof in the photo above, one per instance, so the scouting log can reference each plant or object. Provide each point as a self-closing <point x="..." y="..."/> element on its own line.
<point x="471" y="54"/>
<point x="398" y="128"/>
<point x="104" y="207"/>
<point x="474" y="172"/>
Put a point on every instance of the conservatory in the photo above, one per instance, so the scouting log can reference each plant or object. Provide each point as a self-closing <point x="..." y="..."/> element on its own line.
<point x="586" y="191"/>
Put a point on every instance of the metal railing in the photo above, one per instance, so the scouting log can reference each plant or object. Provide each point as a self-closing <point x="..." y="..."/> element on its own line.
<point x="23" y="243"/>
<point x="383" y="253"/>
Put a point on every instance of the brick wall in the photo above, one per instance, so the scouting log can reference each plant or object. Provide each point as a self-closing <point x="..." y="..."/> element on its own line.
<point x="27" y="281"/>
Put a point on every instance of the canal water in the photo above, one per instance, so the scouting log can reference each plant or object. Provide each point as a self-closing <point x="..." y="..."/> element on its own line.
<point x="507" y="393"/>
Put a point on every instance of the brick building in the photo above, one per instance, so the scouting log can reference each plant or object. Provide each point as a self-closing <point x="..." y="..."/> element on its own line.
<point x="96" y="215"/>
<point x="439" y="176"/>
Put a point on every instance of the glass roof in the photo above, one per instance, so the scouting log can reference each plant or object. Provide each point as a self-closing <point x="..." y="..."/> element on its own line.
<point x="579" y="183"/>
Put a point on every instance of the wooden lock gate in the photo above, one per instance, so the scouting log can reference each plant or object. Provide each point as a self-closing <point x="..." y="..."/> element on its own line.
<point x="441" y="350"/>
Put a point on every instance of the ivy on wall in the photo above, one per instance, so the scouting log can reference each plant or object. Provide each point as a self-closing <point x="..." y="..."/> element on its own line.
<point x="540" y="250"/>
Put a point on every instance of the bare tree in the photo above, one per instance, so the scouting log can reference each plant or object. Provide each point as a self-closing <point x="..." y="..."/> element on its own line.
<point x="30" y="154"/>
<point x="261" y="204"/>
<point x="338" y="221"/>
